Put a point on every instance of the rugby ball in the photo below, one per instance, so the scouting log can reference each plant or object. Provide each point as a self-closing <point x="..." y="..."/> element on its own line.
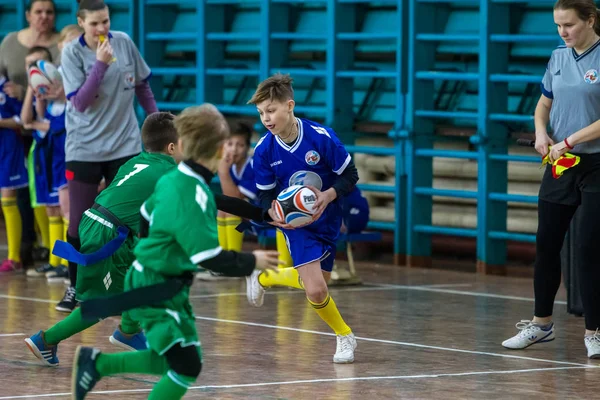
<point x="295" y="204"/>
<point x="41" y="74"/>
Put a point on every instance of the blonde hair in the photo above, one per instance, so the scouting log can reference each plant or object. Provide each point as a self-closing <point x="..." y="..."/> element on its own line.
<point x="202" y="131"/>
<point x="277" y="87"/>
<point x="67" y="30"/>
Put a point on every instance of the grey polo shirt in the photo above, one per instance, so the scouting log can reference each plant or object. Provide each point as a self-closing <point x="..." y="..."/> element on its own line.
<point x="108" y="129"/>
<point x="572" y="81"/>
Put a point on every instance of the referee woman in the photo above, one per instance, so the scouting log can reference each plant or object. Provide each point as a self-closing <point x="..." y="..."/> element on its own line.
<point x="103" y="70"/>
<point x="570" y="101"/>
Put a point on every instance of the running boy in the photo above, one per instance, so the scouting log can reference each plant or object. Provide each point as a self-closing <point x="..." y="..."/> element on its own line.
<point x="182" y="234"/>
<point x="299" y="151"/>
<point x="114" y="216"/>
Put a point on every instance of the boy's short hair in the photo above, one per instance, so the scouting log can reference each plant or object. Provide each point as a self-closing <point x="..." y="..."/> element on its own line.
<point x="40" y="49"/>
<point x="275" y="88"/>
<point x="202" y="130"/>
<point x="67" y="30"/>
<point x="158" y="131"/>
<point x="244" y="130"/>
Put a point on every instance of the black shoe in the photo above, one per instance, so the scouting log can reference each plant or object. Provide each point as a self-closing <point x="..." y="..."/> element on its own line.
<point x="68" y="302"/>
<point x="40" y="254"/>
<point x="84" y="375"/>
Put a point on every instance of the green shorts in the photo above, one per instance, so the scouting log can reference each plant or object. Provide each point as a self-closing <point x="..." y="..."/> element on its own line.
<point x="107" y="276"/>
<point x="165" y="324"/>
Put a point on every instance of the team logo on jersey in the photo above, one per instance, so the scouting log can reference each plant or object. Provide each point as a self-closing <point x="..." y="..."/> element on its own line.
<point x="591" y="76"/>
<point x="312" y="157"/>
<point x="306" y="178"/>
<point x="129" y="79"/>
<point x="2" y="98"/>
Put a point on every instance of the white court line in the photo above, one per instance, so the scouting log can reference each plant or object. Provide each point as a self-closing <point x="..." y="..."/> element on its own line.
<point x="333" y="289"/>
<point x="366" y="339"/>
<point x="308" y="381"/>
<point x="460" y="292"/>
<point x="8" y="296"/>
<point x="11" y="334"/>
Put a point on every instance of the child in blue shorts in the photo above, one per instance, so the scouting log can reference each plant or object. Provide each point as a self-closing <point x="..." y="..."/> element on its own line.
<point x="298" y="151"/>
<point x="48" y="160"/>
<point x="13" y="175"/>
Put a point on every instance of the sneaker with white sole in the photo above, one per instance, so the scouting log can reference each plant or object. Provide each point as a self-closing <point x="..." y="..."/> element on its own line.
<point x="58" y="274"/>
<point x="344" y="351"/>
<point x="44" y="352"/>
<point x="68" y="302"/>
<point x="592" y="343"/>
<point x="40" y="271"/>
<point x="529" y="334"/>
<point x="134" y="342"/>
<point x="254" y="290"/>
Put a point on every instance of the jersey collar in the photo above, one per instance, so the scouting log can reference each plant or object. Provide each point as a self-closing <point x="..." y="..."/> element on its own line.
<point x="162" y="156"/>
<point x="195" y="170"/>
<point x="578" y="57"/>
<point x="239" y="175"/>
<point x="298" y="141"/>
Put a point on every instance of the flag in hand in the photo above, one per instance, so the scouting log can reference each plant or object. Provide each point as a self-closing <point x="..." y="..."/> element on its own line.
<point x="563" y="163"/>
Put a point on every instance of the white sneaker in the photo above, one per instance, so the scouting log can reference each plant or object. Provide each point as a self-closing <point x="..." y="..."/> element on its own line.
<point x="344" y="351"/>
<point x="529" y="334"/>
<point x="593" y="345"/>
<point x="254" y="290"/>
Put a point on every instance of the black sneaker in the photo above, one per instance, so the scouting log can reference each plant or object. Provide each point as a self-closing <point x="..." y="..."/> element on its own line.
<point x="84" y="375"/>
<point x="68" y="302"/>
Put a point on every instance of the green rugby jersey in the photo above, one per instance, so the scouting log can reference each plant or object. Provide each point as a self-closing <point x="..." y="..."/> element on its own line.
<point x="133" y="184"/>
<point x="183" y="224"/>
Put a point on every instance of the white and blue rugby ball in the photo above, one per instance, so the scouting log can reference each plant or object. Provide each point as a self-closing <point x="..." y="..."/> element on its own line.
<point x="41" y="75"/>
<point x="295" y="205"/>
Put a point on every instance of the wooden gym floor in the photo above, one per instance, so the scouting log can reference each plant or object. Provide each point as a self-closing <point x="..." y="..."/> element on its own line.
<point x="422" y="334"/>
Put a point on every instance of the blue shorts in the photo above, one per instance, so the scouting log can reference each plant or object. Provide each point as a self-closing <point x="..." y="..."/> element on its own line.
<point x="316" y="241"/>
<point x="13" y="170"/>
<point x="49" y="169"/>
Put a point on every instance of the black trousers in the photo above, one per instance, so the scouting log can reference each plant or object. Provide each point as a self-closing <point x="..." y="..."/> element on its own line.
<point x="578" y="188"/>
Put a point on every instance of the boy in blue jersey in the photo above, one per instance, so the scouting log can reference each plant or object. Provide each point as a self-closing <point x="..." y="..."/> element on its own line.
<point x="236" y="174"/>
<point x="13" y="175"/>
<point x="45" y="114"/>
<point x="299" y="151"/>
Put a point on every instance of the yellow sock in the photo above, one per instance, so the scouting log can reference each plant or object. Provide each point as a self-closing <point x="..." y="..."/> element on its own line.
<point x="234" y="237"/>
<point x="329" y="313"/>
<point x="64" y="239"/>
<point x="222" y="232"/>
<point x="14" y="227"/>
<point x="41" y="219"/>
<point x="283" y="277"/>
<point x="56" y="233"/>
<point x="285" y="258"/>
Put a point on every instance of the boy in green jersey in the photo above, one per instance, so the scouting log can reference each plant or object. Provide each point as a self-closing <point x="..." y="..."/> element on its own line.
<point x="110" y="230"/>
<point x="182" y="235"/>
